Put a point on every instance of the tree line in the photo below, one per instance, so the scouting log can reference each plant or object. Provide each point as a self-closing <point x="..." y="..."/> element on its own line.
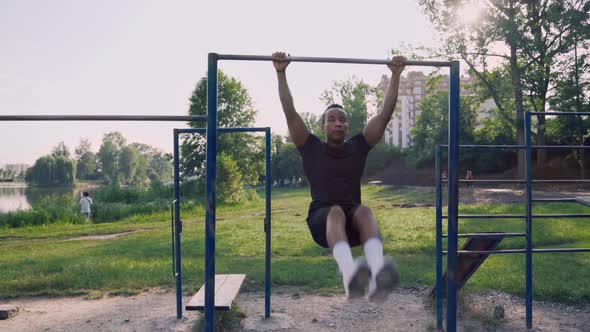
<point x="115" y="162"/>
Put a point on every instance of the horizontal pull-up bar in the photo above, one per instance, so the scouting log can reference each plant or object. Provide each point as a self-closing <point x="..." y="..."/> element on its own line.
<point x="102" y="118"/>
<point x="521" y="146"/>
<point x="241" y="57"/>
<point x="223" y="130"/>
<point x="486" y="235"/>
<point x="560" y="113"/>
<point x="520" y="181"/>
<point x="519" y="251"/>
<point x="518" y="216"/>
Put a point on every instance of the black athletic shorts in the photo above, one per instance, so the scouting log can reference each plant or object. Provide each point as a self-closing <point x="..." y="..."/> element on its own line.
<point x="317" y="222"/>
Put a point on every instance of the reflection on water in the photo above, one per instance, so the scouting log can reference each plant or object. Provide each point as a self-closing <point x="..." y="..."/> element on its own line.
<point x="19" y="197"/>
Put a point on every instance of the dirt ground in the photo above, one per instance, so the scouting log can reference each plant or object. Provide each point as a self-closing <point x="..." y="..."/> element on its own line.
<point x="406" y="309"/>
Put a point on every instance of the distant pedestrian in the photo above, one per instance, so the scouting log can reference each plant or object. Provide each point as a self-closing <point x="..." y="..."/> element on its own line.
<point x="469" y="177"/>
<point x="444" y="177"/>
<point x="85" y="204"/>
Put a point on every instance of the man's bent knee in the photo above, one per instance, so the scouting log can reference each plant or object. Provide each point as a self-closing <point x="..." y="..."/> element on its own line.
<point x="336" y="212"/>
<point x="362" y="213"/>
<point x="365" y="223"/>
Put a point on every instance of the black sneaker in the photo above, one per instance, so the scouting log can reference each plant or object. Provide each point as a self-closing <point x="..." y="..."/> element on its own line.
<point x="359" y="281"/>
<point x="386" y="280"/>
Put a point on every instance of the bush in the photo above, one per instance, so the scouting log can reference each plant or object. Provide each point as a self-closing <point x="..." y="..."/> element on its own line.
<point x="109" y="212"/>
<point x="379" y="157"/>
<point x="48" y="210"/>
<point x="229" y="181"/>
<point x="115" y="194"/>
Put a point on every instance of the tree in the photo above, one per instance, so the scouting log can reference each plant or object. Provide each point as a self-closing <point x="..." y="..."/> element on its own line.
<point x="287" y="166"/>
<point x="142" y="172"/>
<point x="229" y="180"/>
<point x="525" y="36"/>
<point x="86" y="160"/>
<point x="234" y="110"/>
<point x="354" y="96"/>
<point x="61" y="150"/>
<point x="128" y="160"/>
<point x="108" y="155"/>
<point x="572" y="94"/>
<point x="313" y="122"/>
<point x="160" y="166"/>
<point x="52" y="171"/>
<point x="155" y="166"/>
<point x="431" y="125"/>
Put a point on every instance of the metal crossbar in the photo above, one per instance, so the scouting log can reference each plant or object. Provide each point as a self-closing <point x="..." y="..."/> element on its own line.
<point x="521" y="181"/>
<point x="520" y="251"/>
<point x="519" y="216"/>
<point x="103" y="118"/>
<point x="486" y="235"/>
<point x="332" y="60"/>
<point x="491" y="146"/>
<point x="453" y="216"/>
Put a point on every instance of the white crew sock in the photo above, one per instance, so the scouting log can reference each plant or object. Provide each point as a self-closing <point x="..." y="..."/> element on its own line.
<point x="343" y="257"/>
<point x="374" y="255"/>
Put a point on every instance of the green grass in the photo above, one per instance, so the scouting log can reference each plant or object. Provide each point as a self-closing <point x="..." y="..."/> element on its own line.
<point x="36" y="260"/>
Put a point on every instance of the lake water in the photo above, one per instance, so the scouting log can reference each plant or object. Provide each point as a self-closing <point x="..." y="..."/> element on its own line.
<point x="15" y="196"/>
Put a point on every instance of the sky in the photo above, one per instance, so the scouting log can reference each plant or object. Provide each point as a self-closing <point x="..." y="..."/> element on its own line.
<point x="144" y="58"/>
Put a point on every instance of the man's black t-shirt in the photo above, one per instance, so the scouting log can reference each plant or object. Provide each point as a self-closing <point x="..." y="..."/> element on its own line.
<point x="334" y="174"/>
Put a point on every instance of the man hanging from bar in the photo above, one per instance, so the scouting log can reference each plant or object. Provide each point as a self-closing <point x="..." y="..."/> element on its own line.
<point x="334" y="168"/>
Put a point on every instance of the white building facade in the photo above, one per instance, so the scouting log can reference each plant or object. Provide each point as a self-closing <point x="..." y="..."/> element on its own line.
<point x="412" y="89"/>
<point x="397" y="132"/>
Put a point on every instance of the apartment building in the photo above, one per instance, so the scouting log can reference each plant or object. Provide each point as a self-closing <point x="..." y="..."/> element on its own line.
<point x="411" y="91"/>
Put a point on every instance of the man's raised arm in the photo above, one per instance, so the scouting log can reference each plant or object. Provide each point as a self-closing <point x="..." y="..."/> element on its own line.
<point x="297" y="129"/>
<point x="376" y="126"/>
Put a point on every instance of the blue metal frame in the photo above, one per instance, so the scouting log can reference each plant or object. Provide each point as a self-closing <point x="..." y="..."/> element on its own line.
<point x="210" y="184"/>
<point x="211" y="134"/>
<point x="528" y="171"/>
<point x="439" y="230"/>
<point x="452" y="216"/>
<point x="453" y="201"/>
<point x="267" y="218"/>
<point x="178" y="227"/>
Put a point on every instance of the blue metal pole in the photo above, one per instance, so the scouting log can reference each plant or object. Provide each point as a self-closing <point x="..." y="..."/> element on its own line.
<point x="529" y="224"/>
<point x="267" y="224"/>
<point x="438" y="182"/>
<point x="453" y="155"/>
<point x="210" y="208"/>
<point x="178" y="226"/>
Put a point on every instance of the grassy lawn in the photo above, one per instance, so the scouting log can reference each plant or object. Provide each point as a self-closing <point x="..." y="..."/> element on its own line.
<point x="38" y="260"/>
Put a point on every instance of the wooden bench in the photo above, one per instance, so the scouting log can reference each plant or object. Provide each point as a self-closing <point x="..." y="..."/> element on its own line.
<point x="227" y="287"/>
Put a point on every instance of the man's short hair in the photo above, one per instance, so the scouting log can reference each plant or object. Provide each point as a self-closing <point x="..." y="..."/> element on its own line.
<point x="330" y="107"/>
<point x="85" y="193"/>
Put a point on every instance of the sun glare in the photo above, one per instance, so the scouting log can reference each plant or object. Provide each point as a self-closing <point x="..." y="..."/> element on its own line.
<point x="470" y="12"/>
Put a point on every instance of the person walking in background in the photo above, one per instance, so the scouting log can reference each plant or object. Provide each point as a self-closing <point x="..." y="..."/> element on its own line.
<point x="468" y="177"/>
<point x="85" y="204"/>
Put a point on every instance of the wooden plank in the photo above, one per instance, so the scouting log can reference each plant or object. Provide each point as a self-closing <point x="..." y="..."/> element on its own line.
<point x="468" y="264"/>
<point x="227" y="287"/>
<point x="231" y="287"/>
<point x="583" y="200"/>
<point x="198" y="300"/>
